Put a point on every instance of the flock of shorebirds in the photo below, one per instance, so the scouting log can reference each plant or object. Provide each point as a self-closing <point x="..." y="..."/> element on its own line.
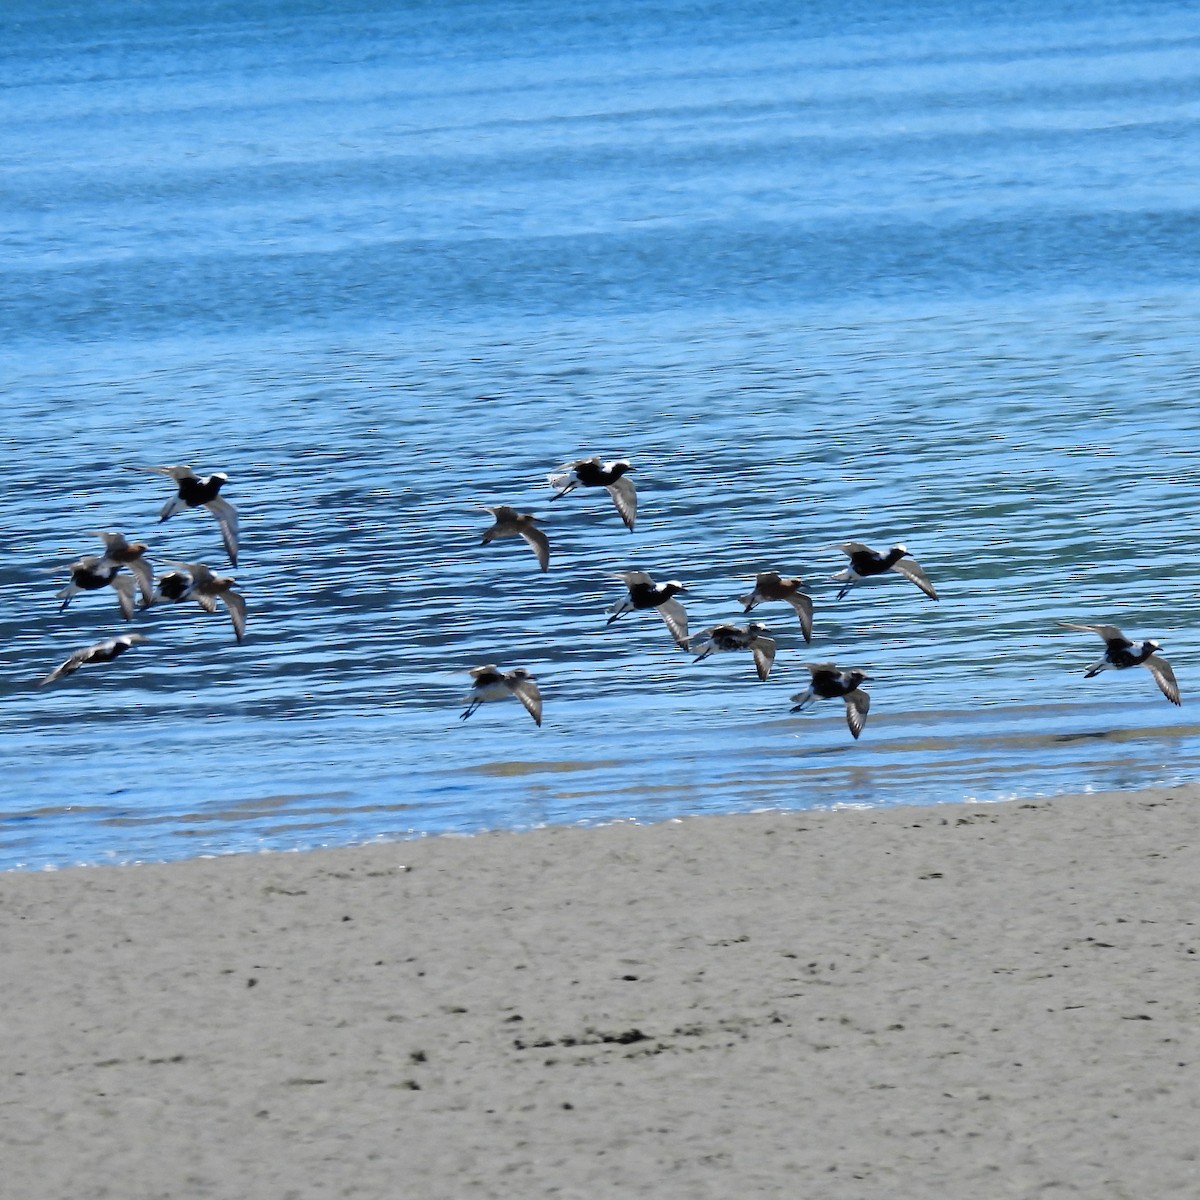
<point x="188" y="581"/>
<point x="827" y="681"/>
<point x="197" y="582"/>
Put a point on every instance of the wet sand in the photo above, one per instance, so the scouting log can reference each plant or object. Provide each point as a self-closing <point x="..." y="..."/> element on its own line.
<point x="979" y="1001"/>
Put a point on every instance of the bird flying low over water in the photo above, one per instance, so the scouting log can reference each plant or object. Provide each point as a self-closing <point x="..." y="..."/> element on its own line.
<point x="865" y="562"/>
<point x="493" y="684"/>
<point x="92" y="572"/>
<point x="1120" y="652"/>
<point x="510" y="523"/>
<point x="193" y="492"/>
<point x="645" y="593"/>
<point x="131" y="555"/>
<point x="770" y="586"/>
<point x="830" y="682"/>
<point x="100" y="652"/>
<point x="734" y="637"/>
<point x="194" y="581"/>
<point x="591" y="472"/>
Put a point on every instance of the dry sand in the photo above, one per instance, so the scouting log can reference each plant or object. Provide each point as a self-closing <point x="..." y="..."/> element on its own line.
<point x="981" y="1001"/>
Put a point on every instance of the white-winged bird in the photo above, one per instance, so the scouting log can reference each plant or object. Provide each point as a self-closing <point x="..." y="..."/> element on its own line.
<point x="830" y="682"/>
<point x="1121" y="653"/>
<point x="645" y="593"/>
<point x="591" y="472"/>
<point x="865" y="563"/>
<point x="735" y="637"/>
<point x="493" y="684"/>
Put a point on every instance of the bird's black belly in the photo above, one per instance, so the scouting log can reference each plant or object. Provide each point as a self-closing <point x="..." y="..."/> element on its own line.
<point x="89" y="581"/>
<point x="645" y="595"/>
<point x="867" y="564"/>
<point x="199" y="491"/>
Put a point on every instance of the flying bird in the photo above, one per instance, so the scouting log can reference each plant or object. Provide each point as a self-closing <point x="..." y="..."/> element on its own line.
<point x="865" y="562"/>
<point x="493" y="684"/>
<point x="510" y="523"/>
<point x="645" y="593"/>
<point x="131" y="555"/>
<point x="101" y="652"/>
<point x="93" y="572"/>
<point x="1120" y="653"/>
<point x="830" y="682"/>
<point x="193" y="492"/>
<point x="770" y="586"/>
<point x="194" y="581"/>
<point x="591" y="472"/>
<point x="734" y="637"/>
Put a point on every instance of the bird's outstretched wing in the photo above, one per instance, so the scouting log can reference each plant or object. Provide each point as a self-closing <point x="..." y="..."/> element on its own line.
<point x="501" y="512"/>
<point x="1106" y="633"/>
<point x="675" y="616"/>
<point x="113" y="542"/>
<point x="540" y="543"/>
<point x="227" y="518"/>
<point x="144" y="574"/>
<point x="125" y="588"/>
<point x="172" y="506"/>
<point x="527" y="692"/>
<point x="858" y="704"/>
<point x="236" y="606"/>
<point x="763" y="649"/>
<point x="913" y="572"/>
<point x="624" y="496"/>
<point x="72" y="664"/>
<point x="804" y="610"/>
<point x="1164" y="677"/>
<point x="178" y="473"/>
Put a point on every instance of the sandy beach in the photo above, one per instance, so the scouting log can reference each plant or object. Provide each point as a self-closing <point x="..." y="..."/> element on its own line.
<point x="979" y="1001"/>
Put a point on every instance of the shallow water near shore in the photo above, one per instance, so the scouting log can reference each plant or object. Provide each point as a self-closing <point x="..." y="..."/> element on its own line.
<point x="928" y="276"/>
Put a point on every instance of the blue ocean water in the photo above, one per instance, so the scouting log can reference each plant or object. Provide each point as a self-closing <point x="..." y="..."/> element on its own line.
<point x="910" y="272"/>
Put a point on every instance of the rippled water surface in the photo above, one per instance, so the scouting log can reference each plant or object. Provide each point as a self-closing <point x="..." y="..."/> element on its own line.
<point x="915" y="273"/>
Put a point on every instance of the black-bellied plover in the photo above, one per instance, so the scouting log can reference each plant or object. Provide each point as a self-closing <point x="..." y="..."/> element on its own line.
<point x="831" y="682"/>
<point x="734" y="637"/>
<point x="1120" y="653"/>
<point x="769" y="585"/>
<point x="195" y="581"/>
<point x="93" y="572"/>
<point x="193" y="492"/>
<point x="104" y="651"/>
<point x="591" y="472"/>
<point x="865" y="563"/>
<point x="645" y="593"/>
<point x="493" y="684"/>
<point x="510" y="523"/>
<point x="132" y="555"/>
